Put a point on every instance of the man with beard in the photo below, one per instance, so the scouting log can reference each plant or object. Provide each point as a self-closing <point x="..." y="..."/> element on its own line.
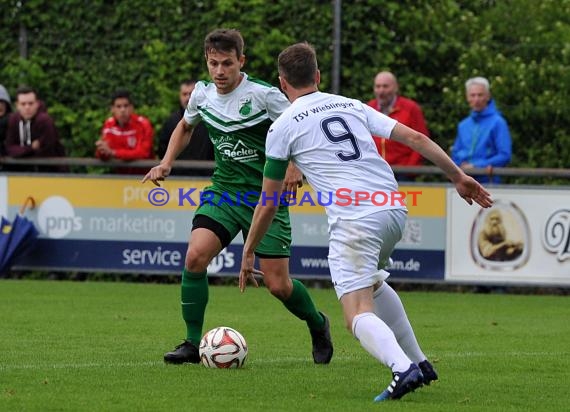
<point x="493" y="242"/>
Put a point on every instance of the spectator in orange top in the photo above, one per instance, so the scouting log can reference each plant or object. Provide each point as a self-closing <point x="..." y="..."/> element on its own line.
<point x="404" y="110"/>
<point x="125" y="135"/>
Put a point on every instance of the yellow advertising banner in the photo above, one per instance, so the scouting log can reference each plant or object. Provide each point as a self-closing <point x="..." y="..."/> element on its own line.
<point x="177" y="194"/>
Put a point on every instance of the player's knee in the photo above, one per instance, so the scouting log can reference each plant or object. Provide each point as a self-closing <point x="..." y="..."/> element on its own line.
<point x="196" y="262"/>
<point x="280" y="290"/>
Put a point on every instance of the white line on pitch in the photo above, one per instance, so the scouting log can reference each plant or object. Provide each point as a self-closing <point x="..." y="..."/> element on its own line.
<point x="443" y="355"/>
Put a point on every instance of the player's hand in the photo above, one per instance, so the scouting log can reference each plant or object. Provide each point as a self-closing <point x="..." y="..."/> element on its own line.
<point x="157" y="173"/>
<point x="470" y="190"/>
<point x="293" y="180"/>
<point x="247" y="271"/>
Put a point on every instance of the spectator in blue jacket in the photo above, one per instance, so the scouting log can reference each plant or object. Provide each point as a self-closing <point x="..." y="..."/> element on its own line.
<point x="483" y="139"/>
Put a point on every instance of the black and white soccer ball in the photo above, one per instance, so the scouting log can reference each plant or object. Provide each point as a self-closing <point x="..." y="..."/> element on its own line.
<point x="223" y="347"/>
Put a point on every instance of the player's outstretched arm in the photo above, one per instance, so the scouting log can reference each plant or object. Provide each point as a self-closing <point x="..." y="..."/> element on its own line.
<point x="467" y="187"/>
<point x="472" y="191"/>
<point x="180" y="138"/>
<point x="157" y="174"/>
<point x="262" y="217"/>
<point x="178" y="141"/>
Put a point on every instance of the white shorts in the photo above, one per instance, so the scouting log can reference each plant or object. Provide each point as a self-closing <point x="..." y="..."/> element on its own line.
<point x="359" y="249"/>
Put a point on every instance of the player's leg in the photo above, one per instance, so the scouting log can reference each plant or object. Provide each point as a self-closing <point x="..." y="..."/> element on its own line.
<point x="354" y="247"/>
<point x="388" y="305"/>
<point x="273" y="253"/>
<point x="372" y="333"/>
<point x="203" y="247"/>
<point x="298" y="301"/>
<point x="209" y="236"/>
<point x="379" y="340"/>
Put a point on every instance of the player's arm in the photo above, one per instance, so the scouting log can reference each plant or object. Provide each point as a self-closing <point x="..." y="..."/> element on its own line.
<point x="265" y="211"/>
<point x="467" y="187"/>
<point x="277" y="103"/>
<point x="293" y="180"/>
<point x="178" y="141"/>
<point x="418" y="123"/>
<point x="180" y="138"/>
<point x="413" y="159"/>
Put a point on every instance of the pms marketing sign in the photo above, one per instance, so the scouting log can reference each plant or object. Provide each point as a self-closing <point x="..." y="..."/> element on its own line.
<point x="117" y="224"/>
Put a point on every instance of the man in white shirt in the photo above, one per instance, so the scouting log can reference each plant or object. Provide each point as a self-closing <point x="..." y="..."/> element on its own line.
<point x="329" y="137"/>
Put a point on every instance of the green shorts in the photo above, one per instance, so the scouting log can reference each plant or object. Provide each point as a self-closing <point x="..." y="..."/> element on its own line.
<point x="235" y="213"/>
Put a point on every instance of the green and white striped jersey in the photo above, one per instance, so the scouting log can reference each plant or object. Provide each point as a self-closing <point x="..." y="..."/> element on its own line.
<point x="237" y="123"/>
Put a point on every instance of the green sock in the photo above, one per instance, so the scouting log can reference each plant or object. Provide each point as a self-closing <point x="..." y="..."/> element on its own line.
<point x="194" y="298"/>
<point x="301" y="305"/>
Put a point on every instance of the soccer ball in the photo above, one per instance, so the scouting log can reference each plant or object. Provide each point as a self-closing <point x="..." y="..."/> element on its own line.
<point x="223" y="347"/>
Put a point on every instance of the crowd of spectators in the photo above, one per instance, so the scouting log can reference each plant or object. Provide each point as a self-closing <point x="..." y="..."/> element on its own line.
<point x="28" y="131"/>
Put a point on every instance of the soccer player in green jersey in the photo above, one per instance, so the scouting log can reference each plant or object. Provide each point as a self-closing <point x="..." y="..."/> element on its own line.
<point x="237" y="110"/>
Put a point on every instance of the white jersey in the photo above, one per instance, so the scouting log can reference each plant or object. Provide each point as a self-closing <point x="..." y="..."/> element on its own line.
<point x="329" y="137"/>
<point x="237" y="124"/>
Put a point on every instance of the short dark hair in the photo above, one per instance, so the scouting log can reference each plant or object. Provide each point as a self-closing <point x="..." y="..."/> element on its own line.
<point x="298" y="65"/>
<point x="188" y="82"/>
<point x="121" y="94"/>
<point x="25" y="90"/>
<point x="226" y="40"/>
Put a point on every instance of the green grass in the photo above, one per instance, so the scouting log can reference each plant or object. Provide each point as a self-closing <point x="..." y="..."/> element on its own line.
<point x="97" y="346"/>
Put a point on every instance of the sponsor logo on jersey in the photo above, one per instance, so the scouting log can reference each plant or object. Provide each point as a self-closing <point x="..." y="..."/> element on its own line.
<point x="245" y="106"/>
<point x="239" y="152"/>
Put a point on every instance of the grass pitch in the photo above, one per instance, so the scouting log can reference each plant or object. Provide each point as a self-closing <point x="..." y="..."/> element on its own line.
<point x="96" y="346"/>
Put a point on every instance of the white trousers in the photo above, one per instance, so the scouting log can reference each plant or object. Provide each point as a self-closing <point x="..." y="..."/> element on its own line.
<point x="356" y="247"/>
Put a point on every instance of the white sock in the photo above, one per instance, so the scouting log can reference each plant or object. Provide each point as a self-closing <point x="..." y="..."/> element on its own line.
<point x="389" y="308"/>
<point x="378" y="340"/>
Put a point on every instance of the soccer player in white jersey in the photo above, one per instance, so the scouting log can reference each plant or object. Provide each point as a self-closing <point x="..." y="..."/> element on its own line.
<point x="237" y="110"/>
<point x="329" y="137"/>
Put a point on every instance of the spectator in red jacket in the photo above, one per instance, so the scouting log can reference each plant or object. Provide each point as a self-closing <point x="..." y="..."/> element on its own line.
<point x="405" y="111"/>
<point x="31" y="132"/>
<point x="125" y="135"/>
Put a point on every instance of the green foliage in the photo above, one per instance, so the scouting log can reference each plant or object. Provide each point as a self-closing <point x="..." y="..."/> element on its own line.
<point x="523" y="47"/>
<point x="79" y="52"/>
